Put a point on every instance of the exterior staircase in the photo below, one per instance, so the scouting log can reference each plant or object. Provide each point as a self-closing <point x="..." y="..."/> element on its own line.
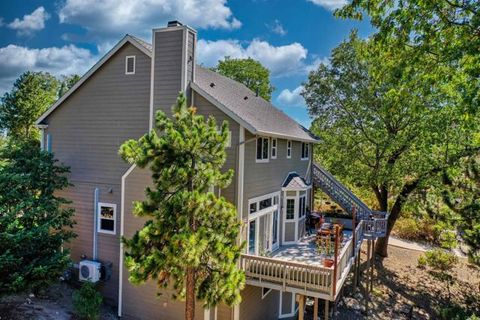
<point x="375" y="222"/>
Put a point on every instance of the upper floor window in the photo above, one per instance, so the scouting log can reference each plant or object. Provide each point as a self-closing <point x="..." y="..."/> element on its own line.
<point x="289" y="149"/>
<point x="106" y="217"/>
<point x="130" y="65"/>
<point x="305" y="151"/>
<point x="262" y="149"/>
<point x="274" y="148"/>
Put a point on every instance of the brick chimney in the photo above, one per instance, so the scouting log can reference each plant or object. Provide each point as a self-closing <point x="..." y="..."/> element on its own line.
<point x="173" y="65"/>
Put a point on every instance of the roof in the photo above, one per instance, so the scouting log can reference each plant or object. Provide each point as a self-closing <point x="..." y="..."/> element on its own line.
<point x="256" y="114"/>
<point x="295" y="182"/>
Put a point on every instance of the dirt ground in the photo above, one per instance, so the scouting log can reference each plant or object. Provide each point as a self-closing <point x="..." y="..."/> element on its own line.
<point x="54" y="303"/>
<point x="403" y="291"/>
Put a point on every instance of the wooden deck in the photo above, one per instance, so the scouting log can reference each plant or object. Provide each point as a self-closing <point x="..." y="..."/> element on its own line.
<point x="299" y="269"/>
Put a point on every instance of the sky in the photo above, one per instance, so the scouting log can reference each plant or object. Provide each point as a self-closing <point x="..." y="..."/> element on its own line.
<point x="290" y="37"/>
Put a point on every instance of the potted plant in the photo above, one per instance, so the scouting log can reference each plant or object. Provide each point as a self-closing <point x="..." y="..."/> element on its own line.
<point x="327" y="249"/>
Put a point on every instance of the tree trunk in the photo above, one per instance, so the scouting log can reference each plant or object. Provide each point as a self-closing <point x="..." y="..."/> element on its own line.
<point x="190" y="295"/>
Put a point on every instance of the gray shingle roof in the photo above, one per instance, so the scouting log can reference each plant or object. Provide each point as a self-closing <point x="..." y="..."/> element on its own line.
<point x="259" y="115"/>
<point x="295" y="182"/>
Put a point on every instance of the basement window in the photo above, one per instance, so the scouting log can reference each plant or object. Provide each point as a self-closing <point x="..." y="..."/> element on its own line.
<point x="106" y="218"/>
<point x="130" y="65"/>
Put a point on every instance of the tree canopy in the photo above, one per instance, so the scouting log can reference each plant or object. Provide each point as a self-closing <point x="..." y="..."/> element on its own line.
<point x="388" y="120"/>
<point x="34" y="222"/>
<point x="32" y="94"/>
<point x="190" y="238"/>
<point x="249" y="72"/>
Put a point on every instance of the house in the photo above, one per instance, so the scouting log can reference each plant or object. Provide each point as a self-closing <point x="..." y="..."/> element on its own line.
<point x="272" y="188"/>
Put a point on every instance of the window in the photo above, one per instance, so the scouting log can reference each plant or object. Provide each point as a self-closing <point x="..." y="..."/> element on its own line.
<point x="49" y="142"/>
<point x="262" y="149"/>
<point x="106" y="217"/>
<point x="289" y="149"/>
<point x="265" y="203"/>
<point x="305" y="150"/>
<point x="275" y="228"/>
<point x="303" y="208"/>
<point x="274" y="148"/>
<point x="253" y="207"/>
<point x="130" y="65"/>
<point x="265" y="291"/>
<point x="252" y="234"/>
<point x="290" y="209"/>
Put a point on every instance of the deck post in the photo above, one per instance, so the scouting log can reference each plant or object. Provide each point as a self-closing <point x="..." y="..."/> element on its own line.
<point x="372" y="265"/>
<point x="326" y="309"/>
<point x="301" y="306"/>
<point x="337" y="236"/>
<point x="315" y="309"/>
<point x="367" y="294"/>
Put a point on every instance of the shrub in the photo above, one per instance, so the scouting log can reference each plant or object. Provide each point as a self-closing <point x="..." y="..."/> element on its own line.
<point x="87" y="302"/>
<point x="441" y="263"/>
<point x="448" y="239"/>
<point x="455" y="312"/>
<point x="422" y="262"/>
<point x="407" y="228"/>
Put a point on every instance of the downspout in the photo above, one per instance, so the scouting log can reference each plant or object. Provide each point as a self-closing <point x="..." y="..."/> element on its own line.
<point x="95" y="221"/>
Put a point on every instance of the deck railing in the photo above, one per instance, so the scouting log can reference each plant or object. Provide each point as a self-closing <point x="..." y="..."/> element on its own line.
<point x="286" y="273"/>
<point x="375" y="228"/>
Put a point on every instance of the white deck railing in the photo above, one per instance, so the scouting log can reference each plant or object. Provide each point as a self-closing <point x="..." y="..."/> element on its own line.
<point x="285" y="273"/>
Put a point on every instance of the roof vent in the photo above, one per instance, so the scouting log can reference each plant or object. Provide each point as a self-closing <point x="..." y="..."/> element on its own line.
<point x="174" y="23"/>
<point x="245" y="98"/>
<point x="212" y="84"/>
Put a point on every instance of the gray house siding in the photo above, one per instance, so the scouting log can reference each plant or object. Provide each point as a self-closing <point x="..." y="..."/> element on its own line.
<point x="168" y="55"/>
<point x="206" y="109"/>
<point x="141" y="302"/>
<point x="253" y="307"/>
<point x="266" y="178"/>
<point x="86" y="133"/>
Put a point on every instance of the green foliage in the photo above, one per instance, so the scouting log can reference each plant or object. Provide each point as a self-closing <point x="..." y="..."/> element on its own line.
<point x="249" y="72"/>
<point x="386" y="118"/>
<point x="87" y="302"/>
<point x="66" y="83"/>
<point x="189" y="228"/>
<point x="460" y="191"/>
<point x="441" y="264"/>
<point x="422" y="261"/>
<point x="33" y="220"/>
<point x="407" y="228"/>
<point x="455" y="312"/>
<point x="32" y="94"/>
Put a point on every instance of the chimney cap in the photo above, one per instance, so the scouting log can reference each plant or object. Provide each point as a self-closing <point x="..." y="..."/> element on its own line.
<point x="174" y="23"/>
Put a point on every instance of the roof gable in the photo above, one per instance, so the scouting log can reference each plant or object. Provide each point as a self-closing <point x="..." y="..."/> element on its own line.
<point x="139" y="44"/>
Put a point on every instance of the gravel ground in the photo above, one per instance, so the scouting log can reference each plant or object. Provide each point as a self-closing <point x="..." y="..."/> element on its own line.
<point x="403" y="291"/>
<point x="53" y="304"/>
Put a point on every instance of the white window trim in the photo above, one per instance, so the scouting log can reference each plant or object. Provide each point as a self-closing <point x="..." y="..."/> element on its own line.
<point x="126" y="64"/>
<point x="268" y="291"/>
<point x="111" y="205"/>
<point x="289" y="149"/>
<point x="268" y="148"/>
<point x="293" y="309"/>
<point x="274" y="148"/>
<point x="307" y="145"/>
<point x="256" y="216"/>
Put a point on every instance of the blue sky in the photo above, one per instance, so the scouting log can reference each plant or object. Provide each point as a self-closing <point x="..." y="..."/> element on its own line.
<point x="290" y="37"/>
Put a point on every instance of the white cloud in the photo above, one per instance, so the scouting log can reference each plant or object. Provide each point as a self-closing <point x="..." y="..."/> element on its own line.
<point x="291" y="98"/>
<point x="59" y="61"/>
<point x="30" y="22"/>
<point x="1" y="21"/>
<point x="280" y="60"/>
<point x="108" y="19"/>
<point x="277" y="28"/>
<point x="330" y="4"/>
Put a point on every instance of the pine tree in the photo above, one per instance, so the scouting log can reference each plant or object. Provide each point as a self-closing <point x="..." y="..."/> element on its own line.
<point x="190" y="239"/>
